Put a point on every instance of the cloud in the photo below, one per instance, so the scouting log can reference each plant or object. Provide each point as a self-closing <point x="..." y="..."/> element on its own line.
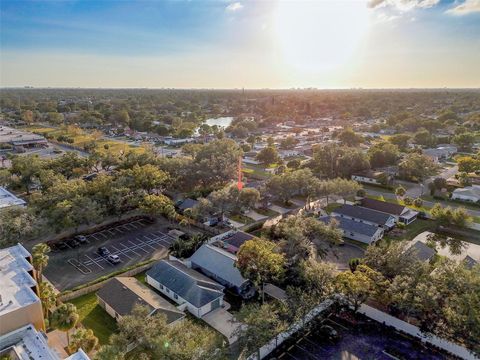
<point x="382" y="17"/>
<point x="404" y="5"/>
<point x="467" y="7"/>
<point x="234" y="7"/>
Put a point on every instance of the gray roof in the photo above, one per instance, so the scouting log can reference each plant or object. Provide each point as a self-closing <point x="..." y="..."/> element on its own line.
<point x="218" y="262"/>
<point x="187" y="283"/>
<point x="187" y="204"/>
<point x="352" y="226"/>
<point x="421" y="251"/>
<point x="383" y="206"/>
<point x="239" y="238"/>
<point x="123" y="293"/>
<point x="362" y="213"/>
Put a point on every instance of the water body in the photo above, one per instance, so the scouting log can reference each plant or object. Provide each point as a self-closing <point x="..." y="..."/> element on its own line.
<point x="222" y="122"/>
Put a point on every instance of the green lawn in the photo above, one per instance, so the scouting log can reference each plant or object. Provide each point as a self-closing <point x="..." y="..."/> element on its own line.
<point x="332" y="206"/>
<point x="92" y="316"/>
<point x="412" y="230"/>
<point x="241" y="219"/>
<point x="267" y="212"/>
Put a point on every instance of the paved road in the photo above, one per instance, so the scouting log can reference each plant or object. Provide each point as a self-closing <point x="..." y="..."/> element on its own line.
<point x="388" y="195"/>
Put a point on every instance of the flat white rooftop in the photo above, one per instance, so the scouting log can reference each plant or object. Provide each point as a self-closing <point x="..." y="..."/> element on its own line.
<point x="15" y="281"/>
<point x="7" y="199"/>
<point x="27" y="343"/>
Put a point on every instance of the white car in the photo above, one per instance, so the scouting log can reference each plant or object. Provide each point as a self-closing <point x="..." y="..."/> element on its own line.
<point x="113" y="259"/>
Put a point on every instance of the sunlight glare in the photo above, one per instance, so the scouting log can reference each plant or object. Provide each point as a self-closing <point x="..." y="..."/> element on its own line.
<point x="318" y="36"/>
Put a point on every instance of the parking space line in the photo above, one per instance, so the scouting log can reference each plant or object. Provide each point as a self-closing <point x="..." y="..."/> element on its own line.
<point x="121" y="252"/>
<point x="131" y="226"/>
<point x="127" y="249"/>
<point x="111" y="232"/>
<point x="95" y="262"/>
<point x="126" y="228"/>
<point x="138" y="245"/>
<point x="73" y="263"/>
<point x="135" y="246"/>
<point x="154" y="248"/>
<point x="119" y="230"/>
<point x="102" y="234"/>
<point x="95" y="237"/>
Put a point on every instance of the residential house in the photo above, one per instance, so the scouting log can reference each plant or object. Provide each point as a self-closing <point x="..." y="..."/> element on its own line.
<point x="364" y="215"/>
<point x="469" y="193"/>
<point x="421" y="251"/>
<point x="219" y="265"/>
<point x="441" y="152"/>
<point x="121" y="294"/>
<point x="7" y="199"/>
<point x="231" y="241"/>
<point x="187" y="287"/>
<point x="372" y="177"/>
<point x="401" y="213"/>
<point x="20" y="304"/>
<point x="188" y="203"/>
<point x="355" y="230"/>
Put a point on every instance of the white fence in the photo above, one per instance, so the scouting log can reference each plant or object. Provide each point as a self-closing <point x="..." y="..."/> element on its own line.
<point x="412" y="330"/>
<point x="373" y="314"/>
<point x="274" y="343"/>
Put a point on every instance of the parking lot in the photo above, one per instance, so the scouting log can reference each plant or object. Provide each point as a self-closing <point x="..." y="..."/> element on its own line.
<point x="132" y="242"/>
<point x="371" y="340"/>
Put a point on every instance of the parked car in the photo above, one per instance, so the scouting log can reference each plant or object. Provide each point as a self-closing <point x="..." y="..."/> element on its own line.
<point x="113" y="259"/>
<point x="328" y="332"/>
<point x="62" y="246"/>
<point x="73" y="243"/>
<point x="82" y="239"/>
<point x="103" y="251"/>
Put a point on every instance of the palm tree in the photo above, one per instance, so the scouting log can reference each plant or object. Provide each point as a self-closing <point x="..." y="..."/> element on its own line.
<point x="64" y="318"/>
<point x="83" y="339"/>
<point x="48" y="297"/>
<point x="40" y="258"/>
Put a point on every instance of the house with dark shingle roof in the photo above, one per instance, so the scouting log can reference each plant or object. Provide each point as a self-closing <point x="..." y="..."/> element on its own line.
<point x="231" y="241"/>
<point x="187" y="287"/>
<point x="365" y="215"/>
<point x="355" y="230"/>
<point x="401" y="213"/>
<point x="421" y="251"/>
<point x="120" y="295"/>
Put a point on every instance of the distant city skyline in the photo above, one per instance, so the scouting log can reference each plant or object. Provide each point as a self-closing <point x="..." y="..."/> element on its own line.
<point x="235" y="44"/>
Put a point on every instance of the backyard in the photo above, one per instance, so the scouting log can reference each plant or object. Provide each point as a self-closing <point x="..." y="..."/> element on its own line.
<point x="93" y="317"/>
<point x="81" y="138"/>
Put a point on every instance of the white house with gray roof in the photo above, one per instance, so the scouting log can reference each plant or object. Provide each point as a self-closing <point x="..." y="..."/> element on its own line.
<point x="355" y="230"/>
<point x="219" y="265"/>
<point x="186" y="287"/>
<point x="364" y="215"/>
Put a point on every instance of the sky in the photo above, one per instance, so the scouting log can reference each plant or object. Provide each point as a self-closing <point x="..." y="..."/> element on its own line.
<point x="240" y="44"/>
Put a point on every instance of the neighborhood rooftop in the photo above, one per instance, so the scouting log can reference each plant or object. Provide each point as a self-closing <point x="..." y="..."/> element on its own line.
<point x="352" y="226"/>
<point x="383" y="206"/>
<point x="123" y="293"/>
<point x="218" y="261"/>
<point x="7" y="199"/>
<point x="359" y="212"/>
<point x="15" y="280"/>
<point x="189" y="284"/>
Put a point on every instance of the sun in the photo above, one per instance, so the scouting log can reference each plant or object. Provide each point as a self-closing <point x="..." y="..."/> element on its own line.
<point x="318" y="36"/>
